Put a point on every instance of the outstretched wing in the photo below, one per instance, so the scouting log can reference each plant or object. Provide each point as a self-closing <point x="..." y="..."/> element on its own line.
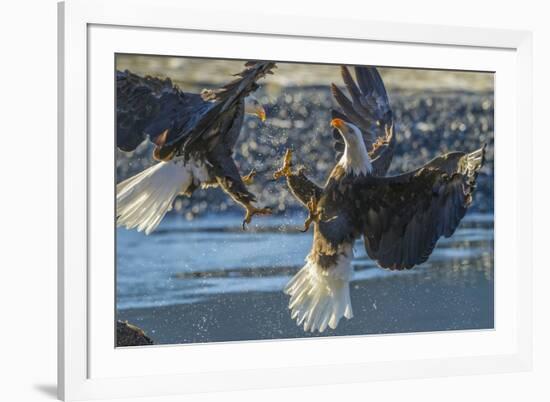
<point x="227" y="102"/>
<point x="148" y="106"/>
<point x="176" y="121"/>
<point x="403" y="217"/>
<point x="368" y="108"/>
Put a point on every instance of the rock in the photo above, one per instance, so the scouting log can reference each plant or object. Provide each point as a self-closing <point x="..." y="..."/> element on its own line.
<point x="130" y="335"/>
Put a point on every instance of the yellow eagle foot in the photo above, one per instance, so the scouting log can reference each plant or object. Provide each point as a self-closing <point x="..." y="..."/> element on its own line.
<point x="249" y="178"/>
<point x="286" y="169"/>
<point x="313" y="213"/>
<point x="251" y="211"/>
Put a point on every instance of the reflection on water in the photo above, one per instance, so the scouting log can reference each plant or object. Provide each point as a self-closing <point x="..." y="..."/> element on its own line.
<point x="191" y="261"/>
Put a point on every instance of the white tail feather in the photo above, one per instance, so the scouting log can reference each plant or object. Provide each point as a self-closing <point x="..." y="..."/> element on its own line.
<point x="319" y="297"/>
<point x="144" y="199"/>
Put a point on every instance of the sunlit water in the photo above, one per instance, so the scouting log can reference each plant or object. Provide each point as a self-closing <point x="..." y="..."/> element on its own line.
<point x="190" y="261"/>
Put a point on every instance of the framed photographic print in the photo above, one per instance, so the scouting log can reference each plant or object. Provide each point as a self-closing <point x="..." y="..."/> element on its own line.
<point x="239" y="202"/>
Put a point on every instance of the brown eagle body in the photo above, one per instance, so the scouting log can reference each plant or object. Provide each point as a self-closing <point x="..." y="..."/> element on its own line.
<point x="400" y="218"/>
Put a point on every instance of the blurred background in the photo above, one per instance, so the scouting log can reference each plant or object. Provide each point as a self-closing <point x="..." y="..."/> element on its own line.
<point x="200" y="278"/>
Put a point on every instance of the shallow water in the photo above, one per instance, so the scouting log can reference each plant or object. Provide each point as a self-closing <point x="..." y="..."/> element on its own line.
<point x="191" y="261"/>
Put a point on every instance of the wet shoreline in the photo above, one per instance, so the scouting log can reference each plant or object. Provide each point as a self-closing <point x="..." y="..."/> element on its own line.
<point x="396" y="304"/>
<point x="203" y="281"/>
<point x="188" y="261"/>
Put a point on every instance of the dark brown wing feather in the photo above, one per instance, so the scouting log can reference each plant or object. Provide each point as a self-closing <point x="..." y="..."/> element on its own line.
<point x="369" y="109"/>
<point x="403" y="217"/>
<point x="225" y="101"/>
<point x="148" y="106"/>
<point x="303" y="188"/>
<point x="452" y="162"/>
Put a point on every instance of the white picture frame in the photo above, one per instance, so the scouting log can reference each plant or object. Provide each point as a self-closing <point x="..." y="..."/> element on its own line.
<point x="91" y="32"/>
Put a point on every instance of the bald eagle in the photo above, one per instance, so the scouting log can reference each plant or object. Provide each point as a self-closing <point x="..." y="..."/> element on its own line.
<point x="194" y="136"/>
<point x="400" y="218"/>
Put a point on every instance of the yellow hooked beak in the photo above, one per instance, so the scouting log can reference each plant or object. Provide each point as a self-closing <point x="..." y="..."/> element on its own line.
<point x="260" y="112"/>
<point x="338" y="124"/>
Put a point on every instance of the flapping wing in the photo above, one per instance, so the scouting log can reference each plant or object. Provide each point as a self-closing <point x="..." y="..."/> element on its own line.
<point x="368" y="108"/>
<point x="303" y="188"/>
<point x="148" y="106"/>
<point x="176" y="121"/>
<point x="226" y="102"/>
<point x="403" y="217"/>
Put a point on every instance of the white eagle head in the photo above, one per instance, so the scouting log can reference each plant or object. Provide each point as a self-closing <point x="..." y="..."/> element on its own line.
<point x="355" y="159"/>
<point x="253" y="107"/>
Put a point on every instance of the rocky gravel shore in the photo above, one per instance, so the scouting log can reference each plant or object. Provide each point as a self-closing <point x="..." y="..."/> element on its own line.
<point x="427" y="123"/>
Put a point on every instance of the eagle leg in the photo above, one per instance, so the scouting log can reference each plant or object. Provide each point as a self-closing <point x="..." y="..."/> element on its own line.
<point x="249" y="178"/>
<point x="251" y="210"/>
<point x="313" y="213"/>
<point x="286" y="169"/>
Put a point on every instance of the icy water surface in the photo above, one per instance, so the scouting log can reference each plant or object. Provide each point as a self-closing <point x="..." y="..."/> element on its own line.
<point x="207" y="280"/>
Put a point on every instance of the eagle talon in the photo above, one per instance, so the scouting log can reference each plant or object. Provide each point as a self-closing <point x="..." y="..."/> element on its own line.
<point x="313" y="215"/>
<point x="286" y="169"/>
<point x="249" y="178"/>
<point x="251" y="211"/>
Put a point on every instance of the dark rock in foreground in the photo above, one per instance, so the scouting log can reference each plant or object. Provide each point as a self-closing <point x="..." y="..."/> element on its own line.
<point x="130" y="335"/>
